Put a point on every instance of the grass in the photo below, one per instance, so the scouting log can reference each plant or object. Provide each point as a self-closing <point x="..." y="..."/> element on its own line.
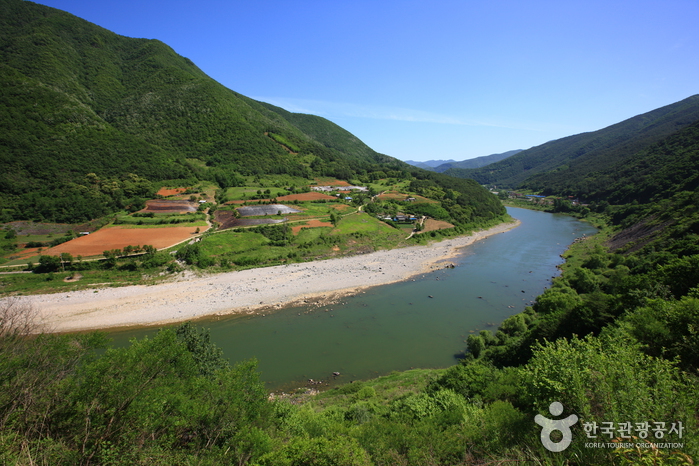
<point x="355" y="232"/>
<point x="361" y="223"/>
<point x="312" y="210"/>
<point x="230" y="242"/>
<point x="387" y="388"/>
<point x="29" y="283"/>
<point x="37" y="238"/>
<point x="277" y="180"/>
<point x="275" y="183"/>
<point x="22" y="262"/>
<point x="580" y="251"/>
<point x="163" y="219"/>
<point x="246" y="192"/>
<point x="308" y="235"/>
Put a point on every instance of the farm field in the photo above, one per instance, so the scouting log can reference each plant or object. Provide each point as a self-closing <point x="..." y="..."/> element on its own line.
<point x="306" y="231"/>
<point x="271" y="209"/>
<point x="399" y="196"/>
<point x="432" y="225"/>
<point x="307" y="197"/>
<point x="302" y="197"/>
<point x="117" y="237"/>
<point x="165" y="192"/>
<point x="226" y="219"/>
<point x="169" y="206"/>
<point x="310" y="224"/>
<point x="243" y="193"/>
<point x="331" y="182"/>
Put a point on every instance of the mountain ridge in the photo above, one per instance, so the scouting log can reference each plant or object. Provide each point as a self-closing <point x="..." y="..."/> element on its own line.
<point x="477" y="162"/>
<point x="440" y="166"/>
<point x="602" y="148"/>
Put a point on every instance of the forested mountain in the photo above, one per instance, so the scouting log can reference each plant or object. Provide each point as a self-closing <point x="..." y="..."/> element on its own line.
<point x="440" y="166"/>
<point x="656" y="172"/>
<point x="428" y="164"/>
<point x="576" y="156"/>
<point x="77" y="99"/>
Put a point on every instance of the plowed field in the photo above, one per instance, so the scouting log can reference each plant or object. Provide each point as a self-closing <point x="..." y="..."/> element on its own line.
<point x="227" y="220"/>
<point x="432" y="224"/>
<point x="117" y="237"/>
<point x="165" y="192"/>
<point x="169" y="206"/>
<point x="330" y="182"/>
<point x="310" y="224"/>
<point x="308" y="197"/>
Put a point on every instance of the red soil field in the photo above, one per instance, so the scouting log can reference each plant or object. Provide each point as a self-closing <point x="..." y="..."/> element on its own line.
<point x="24" y="253"/>
<point x="312" y="196"/>
<point x="165" y="192"/>
<point x="117" y="237"/>
<point x="324" y="182"/>
<point x="310" y="224"/>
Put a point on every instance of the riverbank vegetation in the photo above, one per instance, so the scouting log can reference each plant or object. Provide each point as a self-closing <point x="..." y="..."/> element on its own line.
<point x="612" y="340"/>
<point x="93" y="123"/>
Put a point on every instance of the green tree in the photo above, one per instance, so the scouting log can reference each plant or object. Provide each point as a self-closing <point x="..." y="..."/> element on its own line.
<point x="110" y="257"/>
<point x="475" y="345"/>
<point x="606" y="378"/>
<point x="557" y="299"/>
<point x="207" y="356"/>
<point x="48" y="264"/>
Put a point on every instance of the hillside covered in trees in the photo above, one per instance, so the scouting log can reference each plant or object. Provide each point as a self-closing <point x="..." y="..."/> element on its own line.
<point x="614" y="339"/>
<point x="477" y="162"/>
<point x="558" y="164"/>
<point x="77" y="99"/>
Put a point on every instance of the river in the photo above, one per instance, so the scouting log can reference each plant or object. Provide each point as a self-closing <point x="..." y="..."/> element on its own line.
<point x="422" y="322"/>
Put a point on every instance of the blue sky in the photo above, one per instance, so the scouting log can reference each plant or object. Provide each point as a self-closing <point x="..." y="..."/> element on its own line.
<point x="435" y="79"/>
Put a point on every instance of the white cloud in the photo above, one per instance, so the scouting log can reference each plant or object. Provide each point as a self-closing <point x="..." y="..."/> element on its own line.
<point x="344" y="109"/>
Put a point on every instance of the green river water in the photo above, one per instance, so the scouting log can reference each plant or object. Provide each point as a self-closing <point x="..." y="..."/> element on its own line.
<point x="399" y="326"/>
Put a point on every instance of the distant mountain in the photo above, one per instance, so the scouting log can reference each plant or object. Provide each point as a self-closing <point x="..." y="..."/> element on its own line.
<point x="555" y="165"/>
<point x="429" y="164"/>
<point x="477" y="162"/>
<point x="440" y="166"/>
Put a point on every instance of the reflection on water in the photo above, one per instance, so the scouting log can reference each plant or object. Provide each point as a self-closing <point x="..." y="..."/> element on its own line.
<point x="422" y="322"/>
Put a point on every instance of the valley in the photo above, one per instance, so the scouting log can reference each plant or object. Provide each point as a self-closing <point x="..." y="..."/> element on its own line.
<point x="136" y="190"/>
